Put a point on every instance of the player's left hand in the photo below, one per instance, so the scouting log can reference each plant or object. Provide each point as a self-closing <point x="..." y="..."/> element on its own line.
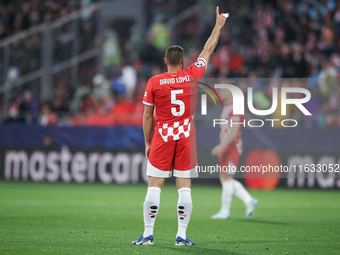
<point x="216" y="151"/>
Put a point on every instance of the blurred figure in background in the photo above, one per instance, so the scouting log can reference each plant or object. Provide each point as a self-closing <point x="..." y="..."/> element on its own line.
<point x="159" y="34"/>
<point x="48" y="117"/>
<point x="111" y="52"/>
<point x="229" y="151"/>
<point x="29" y="109"/>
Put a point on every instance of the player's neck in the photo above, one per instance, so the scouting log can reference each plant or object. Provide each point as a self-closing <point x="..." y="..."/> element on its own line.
<point x="174" y="69"/>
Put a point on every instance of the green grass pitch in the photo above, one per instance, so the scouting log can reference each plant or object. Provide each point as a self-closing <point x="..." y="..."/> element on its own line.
<point x="41" y="218"/>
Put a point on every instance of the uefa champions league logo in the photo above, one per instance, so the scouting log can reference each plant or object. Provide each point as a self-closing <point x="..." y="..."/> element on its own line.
<point x="238" y="100"/>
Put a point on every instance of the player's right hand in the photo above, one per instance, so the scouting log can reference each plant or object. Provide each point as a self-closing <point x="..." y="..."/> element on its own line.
<point x="220" y="19"/>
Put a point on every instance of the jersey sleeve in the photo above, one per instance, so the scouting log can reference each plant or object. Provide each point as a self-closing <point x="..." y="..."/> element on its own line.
<point x="148" y="98"/>
<point x="198" y="68"/>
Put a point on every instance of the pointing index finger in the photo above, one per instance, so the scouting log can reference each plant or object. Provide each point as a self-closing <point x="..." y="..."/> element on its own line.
<point x="217" y="11"/>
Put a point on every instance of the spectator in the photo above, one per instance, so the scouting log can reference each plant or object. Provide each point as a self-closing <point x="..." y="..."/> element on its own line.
<point x="235" y="62"/>
<point x="29" y="109"/>
<point x="48" y="117"/>
<point x="111" y="52"/>
<point x="159" y="34"/>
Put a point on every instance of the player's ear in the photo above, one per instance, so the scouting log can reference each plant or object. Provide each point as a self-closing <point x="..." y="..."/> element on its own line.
<point x="166" y="62"/>
<point x="182" y="62"/>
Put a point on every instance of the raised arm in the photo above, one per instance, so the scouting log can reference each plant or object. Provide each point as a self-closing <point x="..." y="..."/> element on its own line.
<point x="211" y="43"/>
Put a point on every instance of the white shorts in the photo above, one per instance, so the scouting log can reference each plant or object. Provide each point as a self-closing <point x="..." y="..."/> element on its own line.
<point x="155" y="172"/>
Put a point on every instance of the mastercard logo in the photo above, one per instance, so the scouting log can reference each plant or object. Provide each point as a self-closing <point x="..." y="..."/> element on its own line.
<point x="259" y="180"/>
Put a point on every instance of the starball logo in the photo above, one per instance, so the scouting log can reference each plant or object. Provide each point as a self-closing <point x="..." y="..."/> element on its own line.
<point x="239" y="103"/>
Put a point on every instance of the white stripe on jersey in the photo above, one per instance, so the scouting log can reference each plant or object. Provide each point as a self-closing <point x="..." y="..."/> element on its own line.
<point x="148" y="103"/>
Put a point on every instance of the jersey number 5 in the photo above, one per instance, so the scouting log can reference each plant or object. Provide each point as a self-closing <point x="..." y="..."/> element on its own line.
<point x="178" y="102"/>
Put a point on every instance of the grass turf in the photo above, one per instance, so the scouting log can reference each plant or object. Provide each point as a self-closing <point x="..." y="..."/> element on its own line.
<point x="41" y="218"/>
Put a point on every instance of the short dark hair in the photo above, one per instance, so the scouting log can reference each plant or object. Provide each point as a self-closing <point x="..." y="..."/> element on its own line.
<point x="174" y="55"/>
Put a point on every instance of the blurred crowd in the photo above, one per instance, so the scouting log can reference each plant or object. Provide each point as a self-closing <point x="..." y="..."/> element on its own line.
<point x="17" y="15"/>
<point x="25" y="53"/>
<point x="278" y="40"/>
